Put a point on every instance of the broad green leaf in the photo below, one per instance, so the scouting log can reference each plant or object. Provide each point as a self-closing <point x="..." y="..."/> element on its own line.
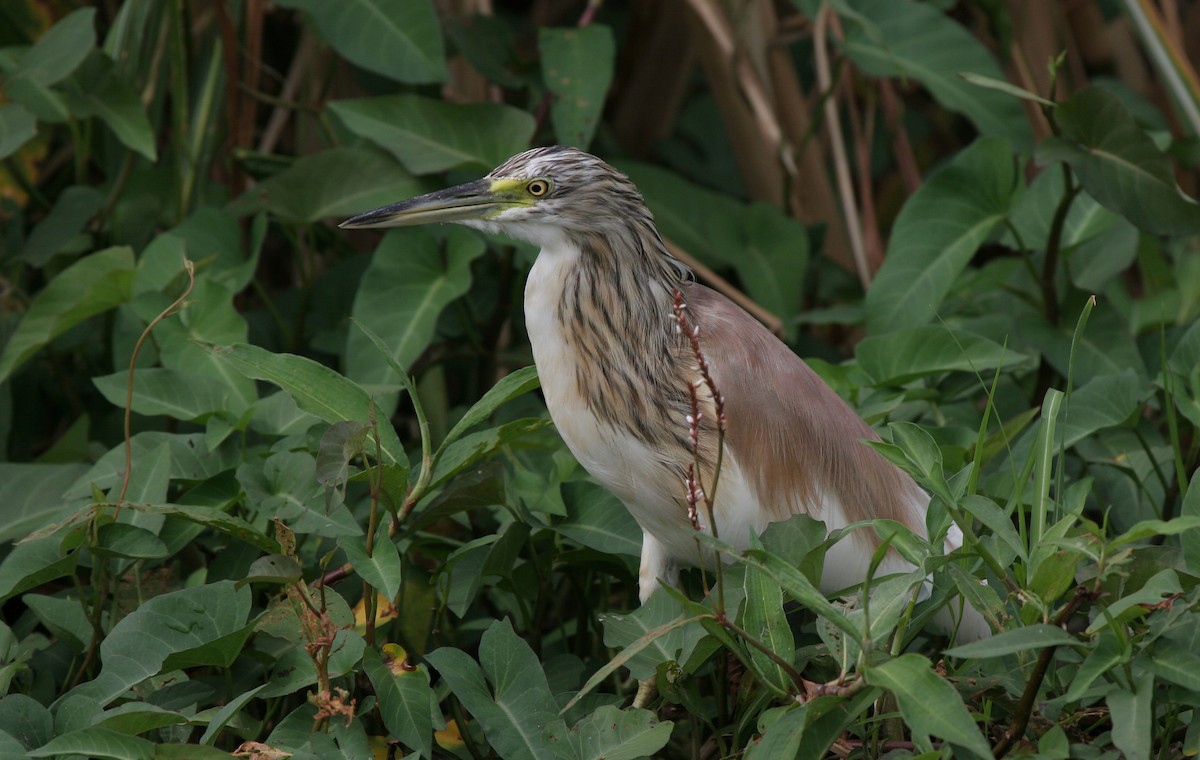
<point x="577" y="68"/>
<point x="189" y="460"/>
<point x="912" y="40"/>
<point x="405" y="700"/>
<point x="332" y="183"/>
<point x="764" y="619"/>
<point x="937" y="232"/>
<point x="414" y="275"/>
<point x="33" y="563"/>
<point x="1133" y="727"/>
<point x="400" y="39"/>
<point x="273" y="568"/>
<point x="285" y="486"/>
<point x="60" y="50"/>
<point x="929" y="705"/>
<point x="98" y="743"/>
<point x="138" y="718"/>
<point x="128" y="541"/>
<point x="598" y="520"/>
<point x="381" y="569"/>
<point x="226" y="713"/>
<point x="781" y="730"/>
<point x="901" y="357"/>
<point x="161" y="627"/>
<point x="651" y="634"/>
<point x="64" y="617"/>
<point x="1106" y="348"/>
<point x="507" y="388"/>
<point x="1118" y="164"/>
<point x="17" y="127"/>
<point x="610" y="733"/>
<point x="97" y="90"/>
<point x="1191" y="539"/>
<point x="55" y="56"/>
<point x="514" y="706"/>
<point x="457" y="457"/>
<point x="1102" y="402"/>
<point x="26" y="719"/>
<point x="316" y="389"/>
<point x="1020" y="639"/>
<point x="160" y="391"/>
<point x="215" y="519"/>
<point x="429" y="135"/>
<point x="32" y="495"/>
<point x="1178" y="666"/>
<point x="61" y="230"/>
<point x="92" y="285"/>
<point x="1107" y="653"/>
<point x="293" y="670"/>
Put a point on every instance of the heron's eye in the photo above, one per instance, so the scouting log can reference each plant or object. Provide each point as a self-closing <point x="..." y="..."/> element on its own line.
<point x="538" y="187"/>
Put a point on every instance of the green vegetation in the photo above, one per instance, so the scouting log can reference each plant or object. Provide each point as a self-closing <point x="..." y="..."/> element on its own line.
<point x="264" y="481"/>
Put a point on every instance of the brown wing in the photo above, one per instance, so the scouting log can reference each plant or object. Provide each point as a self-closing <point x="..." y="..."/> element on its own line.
<point x="795" y="437"/>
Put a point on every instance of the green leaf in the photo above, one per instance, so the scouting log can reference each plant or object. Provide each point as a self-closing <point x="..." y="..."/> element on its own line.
<point x="17" y="127"/>
<point x="128" y="541"/>
<point x="903" y="356"/>
<point x="610" y="733"/>
<point x="98" y="743"/>
<point x="1017" y="640"/>
<point x="138" y="718"/>
<point x="227" y="712"/>
<point x="61" y="230"/>
<point x="92" y="285"/>
<point x="381" y="569"/>
<point x="577" y="68"/>
<point x="937" y="232"/>
<point x="651" y="634"/>
<point x="764" y="619"/>
<point x="429" y="135"/>
<point x="1107" y="654"/>
<point x="273" y="568"/>
<point x="32" y="495"/>
<point x="335" y="182"/>
<point x="316" y="389"/>
<point x="96" y="89"/>
<point x="1103" y="402"/>
<point x="929" y="705"/>
<point x="164" y="626"/>
<point x="400" y="39"/>
<point x="33" y="563"/>
<point x="912" y="40"/>
<point x="405" y="700"/>
<point x="1118" y="164"/>
<point x="598" y="520"/>
<point x="285" y="486"/>
<point x="511" y="386"/>
<point x="518" y="711"/>
<point x="413" y="276"/>
<point x="231" y="525"/>
<point x="1133" y="726"/>
<point x="26" y="719"/>
<point x="55" y="56"/>
<point x="160" y="391"/>
<point x="1190" y="540"/>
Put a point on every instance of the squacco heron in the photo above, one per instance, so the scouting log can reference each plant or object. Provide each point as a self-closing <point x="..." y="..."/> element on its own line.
<point x="616" y="371"/>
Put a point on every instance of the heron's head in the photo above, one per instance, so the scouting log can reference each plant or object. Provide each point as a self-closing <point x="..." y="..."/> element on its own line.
<point x="537" y="196"/>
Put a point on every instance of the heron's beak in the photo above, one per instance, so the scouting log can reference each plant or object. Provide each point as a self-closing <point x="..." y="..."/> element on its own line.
<point x="475" y="200"/>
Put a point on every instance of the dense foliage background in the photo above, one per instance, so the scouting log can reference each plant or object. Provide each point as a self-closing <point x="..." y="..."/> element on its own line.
<point x="230" y="519"/>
